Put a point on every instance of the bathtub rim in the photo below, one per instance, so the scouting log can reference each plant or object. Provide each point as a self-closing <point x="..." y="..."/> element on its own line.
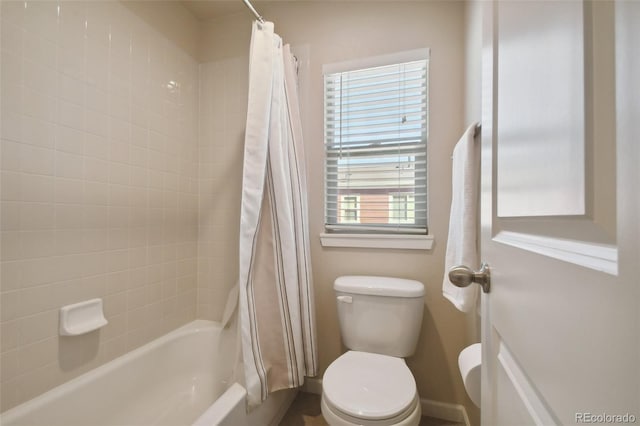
<point x="190" y="328"/>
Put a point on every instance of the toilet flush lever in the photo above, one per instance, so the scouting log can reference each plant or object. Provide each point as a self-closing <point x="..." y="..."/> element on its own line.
<point x="345" y="299"/>
<point x="462" y="276"/>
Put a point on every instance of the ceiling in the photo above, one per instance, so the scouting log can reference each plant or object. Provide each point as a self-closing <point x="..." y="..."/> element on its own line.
<point x="212" y="9"/>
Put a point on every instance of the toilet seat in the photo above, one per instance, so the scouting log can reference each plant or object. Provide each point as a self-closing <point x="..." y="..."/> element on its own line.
<point x="334" y="417"/>
<point x="362" y="386"/>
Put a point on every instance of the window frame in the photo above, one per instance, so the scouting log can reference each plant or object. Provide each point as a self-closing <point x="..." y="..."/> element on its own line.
<point x="407" y="201"/>
<point x="355" y="209"/>
<point x="365" y="238"/>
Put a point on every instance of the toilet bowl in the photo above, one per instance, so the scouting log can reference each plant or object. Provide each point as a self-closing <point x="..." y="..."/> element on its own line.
<point x="380" y="320"/>
<point x="361" y="388"/>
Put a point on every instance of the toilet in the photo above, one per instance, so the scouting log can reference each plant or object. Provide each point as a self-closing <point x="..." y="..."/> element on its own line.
<point x="380" y="320"/>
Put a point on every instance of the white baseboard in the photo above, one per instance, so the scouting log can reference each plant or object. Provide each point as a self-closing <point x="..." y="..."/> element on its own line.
<point x="312" y="385"/>
<point x="444" y="411"/>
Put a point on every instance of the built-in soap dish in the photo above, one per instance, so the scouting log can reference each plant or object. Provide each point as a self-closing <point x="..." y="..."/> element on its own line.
<point x="81" y="318"/>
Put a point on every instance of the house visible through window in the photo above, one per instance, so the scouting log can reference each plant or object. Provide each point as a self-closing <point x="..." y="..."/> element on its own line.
<point x="349" y="208"/>
<point x="376" y="146"/>
<point x="401" y="208"/>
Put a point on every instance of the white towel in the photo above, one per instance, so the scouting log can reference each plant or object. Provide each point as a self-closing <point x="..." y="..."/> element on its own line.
<point x="462" y="241"/>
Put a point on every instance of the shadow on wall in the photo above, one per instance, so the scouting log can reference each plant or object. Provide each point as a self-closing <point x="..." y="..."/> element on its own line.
<point x="429" y="355"/>
<point x="76" y="351"/>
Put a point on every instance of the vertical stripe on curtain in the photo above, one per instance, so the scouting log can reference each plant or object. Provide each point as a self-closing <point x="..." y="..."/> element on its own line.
<point x="277" y="319"/>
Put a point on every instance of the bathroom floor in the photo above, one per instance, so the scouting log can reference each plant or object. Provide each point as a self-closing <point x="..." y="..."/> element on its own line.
<point x="305" y="411"/>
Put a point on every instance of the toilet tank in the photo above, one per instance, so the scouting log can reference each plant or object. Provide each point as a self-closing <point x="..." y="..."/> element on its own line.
<point x="382" y="315"/>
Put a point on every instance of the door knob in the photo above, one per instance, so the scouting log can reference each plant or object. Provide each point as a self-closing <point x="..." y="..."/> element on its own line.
<point x="462" y="276"/>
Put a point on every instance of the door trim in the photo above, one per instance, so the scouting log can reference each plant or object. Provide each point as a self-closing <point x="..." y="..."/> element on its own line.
<point x="599" y="257"/>
<point x="535" y="406"/>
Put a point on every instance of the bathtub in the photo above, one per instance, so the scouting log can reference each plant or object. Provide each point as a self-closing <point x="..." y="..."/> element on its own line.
<point x="181" y="378"/>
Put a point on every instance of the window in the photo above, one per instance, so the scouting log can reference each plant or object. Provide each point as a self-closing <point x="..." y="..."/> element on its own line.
<point x="402" y="208"/>
<point x="349" y="207"/>
<point x="376" y="146"/>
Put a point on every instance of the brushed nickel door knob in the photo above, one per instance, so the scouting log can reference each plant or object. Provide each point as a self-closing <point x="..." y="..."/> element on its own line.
<point x="462" y="276"/>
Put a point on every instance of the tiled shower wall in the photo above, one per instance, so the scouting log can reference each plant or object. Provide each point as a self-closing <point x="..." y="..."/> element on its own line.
<point x="224" y="89"/>
<point x="99" y="186"/>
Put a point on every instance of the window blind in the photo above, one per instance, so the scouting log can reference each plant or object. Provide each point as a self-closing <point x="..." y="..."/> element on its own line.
<point x="376" y="147"/>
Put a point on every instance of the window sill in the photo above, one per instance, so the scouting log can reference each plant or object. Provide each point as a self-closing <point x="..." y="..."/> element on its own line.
<point x="383" y="241"/>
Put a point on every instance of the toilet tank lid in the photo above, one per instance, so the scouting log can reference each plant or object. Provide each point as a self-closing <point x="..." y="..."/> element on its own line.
<point x="379" y="286"/>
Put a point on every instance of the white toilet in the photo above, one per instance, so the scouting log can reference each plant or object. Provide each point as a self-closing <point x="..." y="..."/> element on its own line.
<point x="380" y="320"/>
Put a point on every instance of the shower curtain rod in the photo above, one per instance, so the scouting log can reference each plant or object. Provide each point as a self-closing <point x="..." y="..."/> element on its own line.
<point x="253" y="10"/>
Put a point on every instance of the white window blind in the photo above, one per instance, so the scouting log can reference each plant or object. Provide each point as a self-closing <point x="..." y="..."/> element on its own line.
<point x="376" y="148"/>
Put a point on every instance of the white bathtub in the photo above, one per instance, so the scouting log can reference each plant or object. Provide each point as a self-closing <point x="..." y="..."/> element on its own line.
<point x="181" y="378"/>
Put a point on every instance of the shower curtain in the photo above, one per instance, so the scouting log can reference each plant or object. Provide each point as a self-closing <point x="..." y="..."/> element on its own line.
<point x="276" y="309"/>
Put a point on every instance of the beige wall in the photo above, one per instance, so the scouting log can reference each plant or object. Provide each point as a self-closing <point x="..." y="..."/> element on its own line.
<point x="473" y="61"/>
<point x="333" y="32"/>
<point x="99" y="186"/>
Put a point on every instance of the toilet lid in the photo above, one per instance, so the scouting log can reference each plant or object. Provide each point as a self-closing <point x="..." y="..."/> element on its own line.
<point x="369" y="386"/>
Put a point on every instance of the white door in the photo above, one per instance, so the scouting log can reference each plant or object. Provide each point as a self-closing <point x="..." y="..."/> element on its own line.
<point x="560" y="212"/>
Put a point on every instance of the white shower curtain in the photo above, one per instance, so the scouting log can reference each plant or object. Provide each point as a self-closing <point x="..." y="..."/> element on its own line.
<point x="277" y="319"/>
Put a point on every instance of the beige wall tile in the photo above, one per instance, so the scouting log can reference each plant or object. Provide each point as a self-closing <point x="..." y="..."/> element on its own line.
<point x="39" y="271"/>
<point x="9" y="367"/>
<point x="38" y="327"/>
<point x="9" y="306"/>
<point x="77" y="218"/>
<point x="37" y="354"/>
<point x="9" y="335"/>
<point x="37" y="216"/>
<point x="10" y="216"/>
